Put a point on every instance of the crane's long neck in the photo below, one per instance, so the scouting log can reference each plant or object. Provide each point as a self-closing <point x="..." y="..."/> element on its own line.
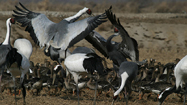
<point x="124" y="77"/>
<point x="76" y="16"/>
<point x="8" y="33"/>
<point x="109" y="44"/>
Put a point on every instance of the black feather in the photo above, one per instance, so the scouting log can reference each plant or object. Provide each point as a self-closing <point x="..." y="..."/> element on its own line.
<point x="53" y="53"/>
<point x="63" y="72"/>
<point x="93" y="23"/>
<point x="24" y="16"/>
<point x="47" y="53"/>
<point x="20" y="9"/>
<point x="12" y="57"/>
<point x="24" y="7"/>
<point x="19" y="13"/>
<point x="94" y="62"/>
<point x="98" y="43"/>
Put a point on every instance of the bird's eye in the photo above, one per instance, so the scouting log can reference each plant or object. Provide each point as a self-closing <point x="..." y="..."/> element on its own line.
<point x="89" y="11"/>
<point x="12" y="20"/>
<point x="116" y="30"/>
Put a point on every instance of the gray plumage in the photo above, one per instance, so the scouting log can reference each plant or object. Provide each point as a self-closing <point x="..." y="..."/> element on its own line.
<point x="85" y="50"/>
<point x="127" y="72"/>
<point x="128" y="46"/>
<point x="56" y="54"/>
<point x="114" y="54"/>
<point x="59" y="55"/>
<point x="130" y="67"/>
<point x="107" y="47"/>
<point x="98" y="42"/>
<point x="4" y="49"/>
<point x="64" y="34"/>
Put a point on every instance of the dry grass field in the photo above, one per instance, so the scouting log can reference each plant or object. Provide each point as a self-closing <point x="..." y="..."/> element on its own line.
<point x="159" y="36"/>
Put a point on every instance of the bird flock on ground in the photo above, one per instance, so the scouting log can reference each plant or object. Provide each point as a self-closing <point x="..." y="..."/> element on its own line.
<point x="83" y="67"/>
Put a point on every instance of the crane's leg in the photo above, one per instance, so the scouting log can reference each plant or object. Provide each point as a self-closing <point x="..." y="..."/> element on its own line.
<point x="77" y="92"/>
<point x="59" y="60"/>
<point x="76" y="81"/>
<point x="2" y="70"/>
<point x="127" y="91"/>
<point x="47" y="47"/>
<point x="123" y="79"/>
<point x="54" y="77"/>
<point x="125" y="95"/>
<point x="63" y="72"/>
<point x="15" y="89"/>
<point x="65" y="53"/>
<point x="185" y="93"/>
<point x="49" y="90"/>
<point x="23" y="88"/>
<point x="95" y="91"/>
<point x="0" y="86"/>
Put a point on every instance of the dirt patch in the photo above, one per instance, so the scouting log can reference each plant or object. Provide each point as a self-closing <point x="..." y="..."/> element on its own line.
<point x="86" y="98"/>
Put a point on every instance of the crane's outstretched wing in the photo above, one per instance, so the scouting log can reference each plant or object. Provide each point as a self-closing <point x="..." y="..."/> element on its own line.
<point x="77" y="31"/>
<point x="128" y="44"/>
<point x="37" y="24"/>
<point x="98" y="42"/>
<point x="64" y="34"/>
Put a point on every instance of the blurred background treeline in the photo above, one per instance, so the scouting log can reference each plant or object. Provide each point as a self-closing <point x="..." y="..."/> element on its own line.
<point x="120" y="6"/>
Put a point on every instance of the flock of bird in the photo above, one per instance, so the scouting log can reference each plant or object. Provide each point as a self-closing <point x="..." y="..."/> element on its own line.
<point x="83" y="65"/>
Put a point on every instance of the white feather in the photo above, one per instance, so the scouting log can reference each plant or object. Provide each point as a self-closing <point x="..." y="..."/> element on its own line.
<point x="30" y="71"/>
<point x="124" y="77"/>
<point x="77" y="15"/>
<point x="8" y="24"/>
<point x="73" y="29"/>
<point x="180" y="71"/>
<point x="74" y="62"/>
<point x="41" y="26"/>
<point x="24" y="47"/>
<point x="160" y="96"/>
<point x="56" y="67"/>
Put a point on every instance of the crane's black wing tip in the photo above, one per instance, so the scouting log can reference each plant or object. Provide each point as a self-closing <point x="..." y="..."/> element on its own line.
<point x="108" y="10"/>
<point x="23" y="6"/>
<point x="110" y="7"/>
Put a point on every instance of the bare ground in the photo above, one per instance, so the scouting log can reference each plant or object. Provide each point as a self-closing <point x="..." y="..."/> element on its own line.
<point x="86" y="98"/>
<point x="163" y="39"/>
